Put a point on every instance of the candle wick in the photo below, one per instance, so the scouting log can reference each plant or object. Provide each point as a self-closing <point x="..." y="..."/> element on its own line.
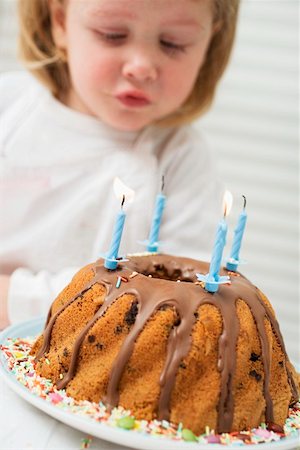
<point x="245" y="201"/>
<point x="162" y="183"/>
<point x="123" y="201"/>
<point x="225" y="211"/>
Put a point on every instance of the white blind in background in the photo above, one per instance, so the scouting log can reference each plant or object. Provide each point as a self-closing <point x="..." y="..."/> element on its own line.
<point x="8" y="35"/>
<point x="253" y="127"/>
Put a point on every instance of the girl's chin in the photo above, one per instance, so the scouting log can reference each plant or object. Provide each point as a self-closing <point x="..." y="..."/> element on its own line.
<point x="127" y="125"/>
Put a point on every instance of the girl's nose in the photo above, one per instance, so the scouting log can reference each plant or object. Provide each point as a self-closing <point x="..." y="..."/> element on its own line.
<point x="140" y="68"/>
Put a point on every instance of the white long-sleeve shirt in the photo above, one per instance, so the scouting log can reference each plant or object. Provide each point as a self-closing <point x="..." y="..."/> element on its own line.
<point x="56" y="191"/>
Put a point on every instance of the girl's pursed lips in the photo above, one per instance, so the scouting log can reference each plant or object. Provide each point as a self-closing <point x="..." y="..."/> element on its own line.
<point x="133" y="98"/>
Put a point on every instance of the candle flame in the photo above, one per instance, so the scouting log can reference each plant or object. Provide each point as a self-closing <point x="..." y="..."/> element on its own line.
<point x="122" y="191"/>
<point x="227" y="203"/>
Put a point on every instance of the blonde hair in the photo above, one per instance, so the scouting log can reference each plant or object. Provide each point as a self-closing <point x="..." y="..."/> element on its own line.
<point x="49" y="64"/>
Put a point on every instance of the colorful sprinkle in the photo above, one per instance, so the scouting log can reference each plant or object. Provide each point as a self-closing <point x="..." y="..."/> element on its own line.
<point x="85" y="442"/>
<point x="55" y="397"/>
<point x="134" y="274"/>
<point x="118" y="283"/>
<point x="213" y="439"/>
<point x="188" y="435"/>
<point x="126" y="422"/>
<point x="22" y="366"/>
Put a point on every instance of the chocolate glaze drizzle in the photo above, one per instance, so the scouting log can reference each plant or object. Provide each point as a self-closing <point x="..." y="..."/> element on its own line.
<point x="185" y="297"/>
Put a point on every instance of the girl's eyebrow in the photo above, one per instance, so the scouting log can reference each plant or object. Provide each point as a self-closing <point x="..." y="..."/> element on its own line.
<point x="106" y="12"/>
<point x="192" y="25"/>
<point x="183" y="23"/>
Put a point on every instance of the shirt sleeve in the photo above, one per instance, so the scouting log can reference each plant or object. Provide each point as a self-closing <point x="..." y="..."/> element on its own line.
<point x="31" y="294"/>
<point x="194" y="196"/>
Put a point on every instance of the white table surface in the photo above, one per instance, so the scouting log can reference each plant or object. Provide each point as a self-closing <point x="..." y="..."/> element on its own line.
<point x="22" y="426"/>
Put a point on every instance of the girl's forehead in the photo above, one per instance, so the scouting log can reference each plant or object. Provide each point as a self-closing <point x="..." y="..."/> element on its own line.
<point x="136" y="5"/>
<point x="186" y="12"/>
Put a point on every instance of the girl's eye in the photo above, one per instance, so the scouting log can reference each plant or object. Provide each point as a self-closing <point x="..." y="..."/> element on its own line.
<point x="112" y="37"/>
<point x="171" y="47"/>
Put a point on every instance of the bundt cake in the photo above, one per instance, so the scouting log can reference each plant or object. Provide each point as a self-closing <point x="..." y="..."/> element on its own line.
<point x="148" y="336"/>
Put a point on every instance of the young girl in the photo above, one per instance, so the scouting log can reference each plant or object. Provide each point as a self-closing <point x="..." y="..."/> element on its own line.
<point x="120" y="81"/>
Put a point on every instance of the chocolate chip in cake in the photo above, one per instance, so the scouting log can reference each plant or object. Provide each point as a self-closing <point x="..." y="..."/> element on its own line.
<point x="91" y="338"/>
<point x="281" y="363"/>
<point x="196" y="314"/>
<point x="254" y="357"/>
<point x="63" y="368"/>
<point x="65" y="352"/>
<point x="99" y="346"/>
<point x="118" y="329"/>
<point x="254" y="374"/>
<point x="131" y="314"/>
<point x="177" y="322"/>
<point x="182" y="365"/>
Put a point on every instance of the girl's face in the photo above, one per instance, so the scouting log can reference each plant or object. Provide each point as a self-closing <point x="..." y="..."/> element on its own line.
<point x="132" y="62"/>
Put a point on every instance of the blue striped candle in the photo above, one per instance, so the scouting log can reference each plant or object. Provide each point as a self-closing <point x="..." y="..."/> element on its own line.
<point x="156" y="221"/>
<point x="113" y="251"/>
<point x="233" y="261"/>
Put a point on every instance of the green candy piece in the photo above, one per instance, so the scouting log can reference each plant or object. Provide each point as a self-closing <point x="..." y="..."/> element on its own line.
<point x="126" y="422"/>
<point x="188" y="435"/>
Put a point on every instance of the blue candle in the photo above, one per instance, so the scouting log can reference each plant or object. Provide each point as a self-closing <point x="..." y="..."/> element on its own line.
<point x="217" y="254"/>
<point x="152" y="243"/>
<point x="233" y="261"/>
<point x="212" y="279"/>
<point x="156" y="221"/>
<point x="112" y="255"/>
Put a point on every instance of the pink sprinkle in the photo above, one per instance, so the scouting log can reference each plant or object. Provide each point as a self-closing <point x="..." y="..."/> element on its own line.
<point x="55" y="398"/>
<point x="213" y="439"/>
<point x="262" y="433"/>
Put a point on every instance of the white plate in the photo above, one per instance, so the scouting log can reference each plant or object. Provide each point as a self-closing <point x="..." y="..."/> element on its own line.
<point x="100" y="430"/>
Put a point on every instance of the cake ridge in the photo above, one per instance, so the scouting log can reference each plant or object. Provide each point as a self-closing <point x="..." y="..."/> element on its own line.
<point x="51" y="321"/>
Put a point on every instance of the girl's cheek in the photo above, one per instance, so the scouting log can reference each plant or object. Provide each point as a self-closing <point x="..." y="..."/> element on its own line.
<point x="104" y="66"/>
<point x="85" y="63"/>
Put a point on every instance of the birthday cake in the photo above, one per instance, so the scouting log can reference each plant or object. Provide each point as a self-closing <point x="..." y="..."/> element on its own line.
<point x="150" y="338"/>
